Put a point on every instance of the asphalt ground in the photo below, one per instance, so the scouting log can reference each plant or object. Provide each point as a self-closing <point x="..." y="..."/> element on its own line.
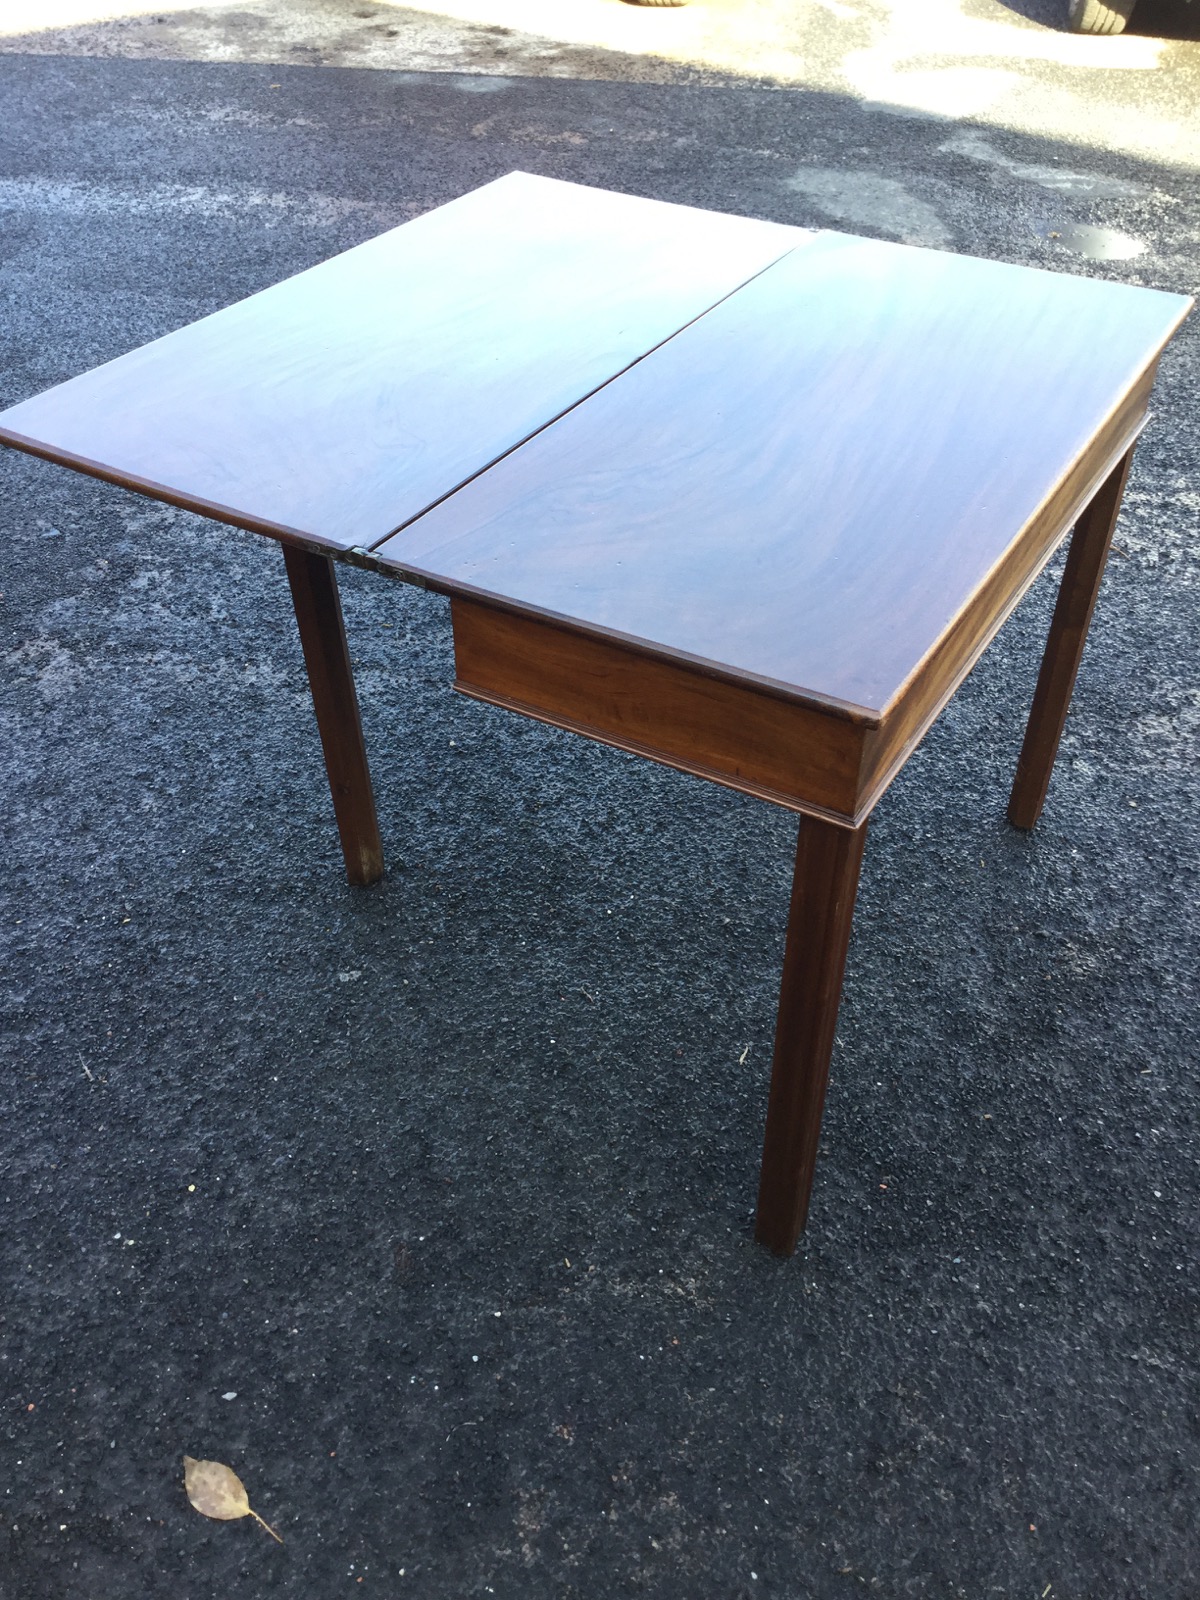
<point x="427" y="1208"/>
<point x="1003" y="63"/>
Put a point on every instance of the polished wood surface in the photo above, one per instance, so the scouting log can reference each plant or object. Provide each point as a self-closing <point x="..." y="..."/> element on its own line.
<point x="335" y="406"/>
<point x="807" y="485"/>
<point x="738" y="735"/>
<point x="812" y="756"/>
<point x="1064" y="649"/>
<point x="824" y="887"/>
<point x="887" y="747"/>
<point x="745" y="500"/>
<point x="318" y="609"/>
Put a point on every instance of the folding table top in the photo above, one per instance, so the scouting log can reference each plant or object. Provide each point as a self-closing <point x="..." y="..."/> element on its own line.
<point x="792" y="456"/>
<point x="342" y="402"/>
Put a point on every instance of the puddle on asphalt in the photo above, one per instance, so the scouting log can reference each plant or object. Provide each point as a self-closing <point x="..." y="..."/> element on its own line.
<point x="1094" y="244"/>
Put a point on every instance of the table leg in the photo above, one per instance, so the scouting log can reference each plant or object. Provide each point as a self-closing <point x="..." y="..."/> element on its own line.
<point x="1064" y="648"/>
<point x="828" y="859"/>
<point x="327" y="657"/>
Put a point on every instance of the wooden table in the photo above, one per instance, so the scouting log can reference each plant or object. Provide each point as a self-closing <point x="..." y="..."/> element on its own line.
<point x="746" y="499"/>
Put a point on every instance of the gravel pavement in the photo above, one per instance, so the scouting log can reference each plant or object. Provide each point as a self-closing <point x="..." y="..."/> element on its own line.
<point x="427" y="1208"/>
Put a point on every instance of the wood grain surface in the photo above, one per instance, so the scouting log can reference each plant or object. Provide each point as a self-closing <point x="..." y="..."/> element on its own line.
<point x="808" y="484"/>
<point x="914" y="708"/>
<point x="733" y="733"/>
<point x="338" y="404"/>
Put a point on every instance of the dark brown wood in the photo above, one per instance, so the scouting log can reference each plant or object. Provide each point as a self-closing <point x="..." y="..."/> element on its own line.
<point x="747" y="500"/>
<point x="807" y="486"/>
<point x="734" y="733"/>
<point x="810" y="755"/>
<point x="327" y="657"/>
<point x="828" y="859"/>
<point x="918" y="703"/>
<point x="1077" y="594"/>
<point x="335" y="406"/>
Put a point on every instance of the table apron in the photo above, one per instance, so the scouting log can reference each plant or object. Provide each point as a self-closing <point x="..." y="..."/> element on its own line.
<point x="814" y="760"/>
<point x="734" y="734"/>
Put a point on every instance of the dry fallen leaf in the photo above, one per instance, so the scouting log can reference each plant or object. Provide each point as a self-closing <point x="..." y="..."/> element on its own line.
<point x="216" y="1491"/>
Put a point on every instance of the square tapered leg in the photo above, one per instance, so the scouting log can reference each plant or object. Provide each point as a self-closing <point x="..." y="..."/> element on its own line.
<point x="327" y="657"/>
<point x="828" y="859"/>
<point x="1064" y="648"/>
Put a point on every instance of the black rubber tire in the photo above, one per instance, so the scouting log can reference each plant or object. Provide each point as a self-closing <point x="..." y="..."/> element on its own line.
<point x="1099" y="16"/>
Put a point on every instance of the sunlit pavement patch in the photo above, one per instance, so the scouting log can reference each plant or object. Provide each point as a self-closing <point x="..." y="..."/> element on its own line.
<point x="866" y="199"/>
<point x="1010" y="66"/>
<point x="1061" y="180"/>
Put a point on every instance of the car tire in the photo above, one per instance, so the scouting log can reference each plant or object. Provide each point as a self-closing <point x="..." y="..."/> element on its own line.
<point x="1099" y="16"/>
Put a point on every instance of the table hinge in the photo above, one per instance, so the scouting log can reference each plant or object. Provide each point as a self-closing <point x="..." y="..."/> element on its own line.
<point x="358" y="556"/>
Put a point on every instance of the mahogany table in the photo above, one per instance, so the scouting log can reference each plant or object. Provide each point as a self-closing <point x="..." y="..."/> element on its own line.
<point x="746" y="499"/>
